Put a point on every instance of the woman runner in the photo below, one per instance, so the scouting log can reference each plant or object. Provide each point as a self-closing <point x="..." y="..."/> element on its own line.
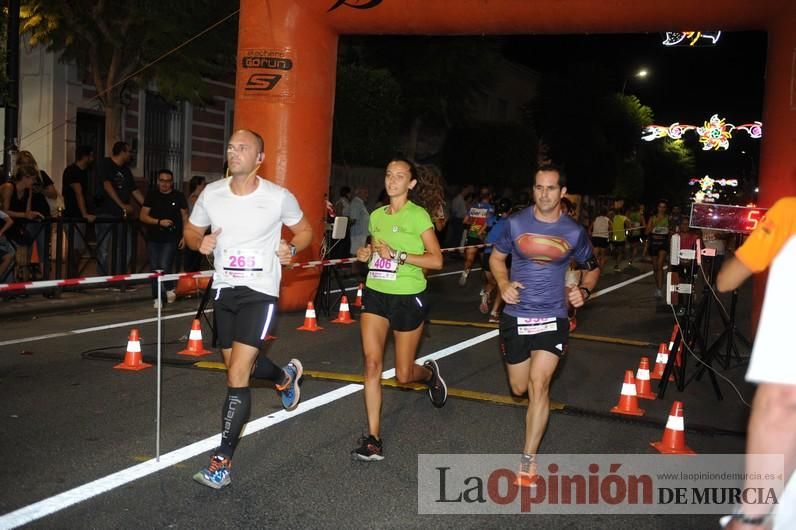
<point x="402" y="245"/>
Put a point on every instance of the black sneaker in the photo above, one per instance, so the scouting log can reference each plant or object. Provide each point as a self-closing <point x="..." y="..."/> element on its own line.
<point x="369" y="450"/>
<point x="437" y="389"/>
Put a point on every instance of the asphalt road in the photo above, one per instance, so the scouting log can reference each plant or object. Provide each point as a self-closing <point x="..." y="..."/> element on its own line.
<point x="69" y="420"/>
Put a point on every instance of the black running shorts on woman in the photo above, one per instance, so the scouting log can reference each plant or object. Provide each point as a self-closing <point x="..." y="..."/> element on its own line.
<point x="404" y="311"/>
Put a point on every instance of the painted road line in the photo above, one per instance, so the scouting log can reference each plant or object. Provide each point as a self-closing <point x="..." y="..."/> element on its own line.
<point x="620" y="285"/>
<point x="148" y="320"/>
<point x="63" y="500"/>
<point x="580" y="336"/>
<point x="342" y="377"/>
<point x="97" y="328"/>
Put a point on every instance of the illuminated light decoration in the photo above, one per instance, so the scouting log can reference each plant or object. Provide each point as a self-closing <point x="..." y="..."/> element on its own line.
<point x="706" y="193"/>
<point x="679" y="38"/>
<point x="706" y="182"/>
<point x="755" y="130"/>
<point x="674" y="131"/>
<point x="715" y="134"/>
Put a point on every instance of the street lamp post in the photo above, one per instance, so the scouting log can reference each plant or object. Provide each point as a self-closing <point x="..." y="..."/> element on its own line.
<point x="641" y="74"/>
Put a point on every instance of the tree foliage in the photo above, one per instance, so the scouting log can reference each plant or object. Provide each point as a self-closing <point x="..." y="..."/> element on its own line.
<point x="367" y="113"/>
<point x="496" y="153"/>
<point x="438" y="76"/>
<point x="120" y="44"/>
<point x="591" y="131"/>
<point x="668" y="166"/>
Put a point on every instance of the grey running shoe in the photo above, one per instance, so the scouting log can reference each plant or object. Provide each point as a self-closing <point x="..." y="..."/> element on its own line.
<point x="437" y="389"/>
<point x="370" y="449"/>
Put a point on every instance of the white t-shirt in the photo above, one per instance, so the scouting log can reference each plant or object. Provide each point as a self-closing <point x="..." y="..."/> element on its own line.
<point x="600" y="228"/>
<point x="773" y="357"/>
<point x="251" y="228"/>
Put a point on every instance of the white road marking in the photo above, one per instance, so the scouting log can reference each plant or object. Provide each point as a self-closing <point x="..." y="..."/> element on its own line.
<point x="181" y="315"/>
<point x="68" y="498"/>
<point x="97" y="328"/>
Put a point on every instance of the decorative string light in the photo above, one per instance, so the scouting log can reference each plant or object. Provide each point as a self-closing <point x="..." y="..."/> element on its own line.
<point x="690" y="38"/>
<point x="714" y="134"/>
<point x="706" y="184"/>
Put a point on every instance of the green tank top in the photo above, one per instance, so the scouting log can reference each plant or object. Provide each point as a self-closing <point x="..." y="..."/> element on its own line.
<point x="401" y="231"/>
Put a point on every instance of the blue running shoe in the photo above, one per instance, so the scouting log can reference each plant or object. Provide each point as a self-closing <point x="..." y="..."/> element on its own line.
<point x="216" y="474"/>
<point x="290" y="393"/>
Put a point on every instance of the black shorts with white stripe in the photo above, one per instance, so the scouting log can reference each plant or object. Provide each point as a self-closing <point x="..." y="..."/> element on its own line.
<point x="404" y="311"/>
<point x="243" y="315"/>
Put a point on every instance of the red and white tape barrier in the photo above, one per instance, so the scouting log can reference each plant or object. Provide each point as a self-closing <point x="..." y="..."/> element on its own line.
<point x="98" y="280"/>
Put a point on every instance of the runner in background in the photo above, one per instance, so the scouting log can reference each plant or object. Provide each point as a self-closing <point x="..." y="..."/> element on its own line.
<point x="479" y="218"/>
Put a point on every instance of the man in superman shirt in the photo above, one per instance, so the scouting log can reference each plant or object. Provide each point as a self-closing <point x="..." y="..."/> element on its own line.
<point x="772" y="422"/>
<point x="534" y="328"/>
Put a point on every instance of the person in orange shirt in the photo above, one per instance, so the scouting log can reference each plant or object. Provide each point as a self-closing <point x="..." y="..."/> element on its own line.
<point x="772" y="365"/>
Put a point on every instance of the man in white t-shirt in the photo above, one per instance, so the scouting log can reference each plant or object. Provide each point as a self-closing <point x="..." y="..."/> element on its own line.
<point x="245" y="214"/>
<point x="772" y="365"/>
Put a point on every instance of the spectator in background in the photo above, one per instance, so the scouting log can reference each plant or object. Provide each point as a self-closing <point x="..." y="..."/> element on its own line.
<point x="358" y="220"/>
<point x="343" y="205"/>
<point x="76" y="209"/>
<point x="43" y="192"/>
<point x="165" y="210"/>
<point x="16" y="202"/>
<point x="342" y="208"/>
<point x="114" y="203"/>
<point x="192" y="259"/>
<point x="6" y="249"/>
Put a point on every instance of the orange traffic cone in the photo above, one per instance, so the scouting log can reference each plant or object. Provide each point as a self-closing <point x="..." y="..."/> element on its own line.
<point x="310" y="322"/>
<point x="660" y="363"/>
<point x="673" y="441"/>
<point x="344" y="316"/>
<point x="132" y="359"/>
<point x="358" y="300"/>
<point x="628" y="402"/>
<point x="643" y="388"/>
<point x="195" y="347"/>
<point x="34" y="255"/>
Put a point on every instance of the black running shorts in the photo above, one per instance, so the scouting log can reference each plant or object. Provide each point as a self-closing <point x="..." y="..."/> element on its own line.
<point x="550" y="335"/>
<point x="243" y="315"/>
<point x="404" y="311"/>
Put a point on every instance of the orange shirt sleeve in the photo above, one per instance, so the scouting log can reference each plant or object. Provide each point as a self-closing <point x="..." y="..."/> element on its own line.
<point x="775" y="228"/>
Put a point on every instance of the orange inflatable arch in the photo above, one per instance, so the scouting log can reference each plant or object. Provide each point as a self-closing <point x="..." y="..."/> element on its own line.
<point x="287" y="60"/>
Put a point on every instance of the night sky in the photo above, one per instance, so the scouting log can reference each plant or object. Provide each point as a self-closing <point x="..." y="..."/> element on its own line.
<point x="685" y="84"/>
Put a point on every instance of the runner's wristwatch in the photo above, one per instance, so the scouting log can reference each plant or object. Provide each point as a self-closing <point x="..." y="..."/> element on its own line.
<point x="292" y="249"/>
<point x="402" y="257"/>
<point x="587" y="292"/>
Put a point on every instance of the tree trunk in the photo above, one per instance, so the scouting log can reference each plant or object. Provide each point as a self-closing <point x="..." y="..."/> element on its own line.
<point x="414" y="134"/>
<point x="113" y="122"/>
